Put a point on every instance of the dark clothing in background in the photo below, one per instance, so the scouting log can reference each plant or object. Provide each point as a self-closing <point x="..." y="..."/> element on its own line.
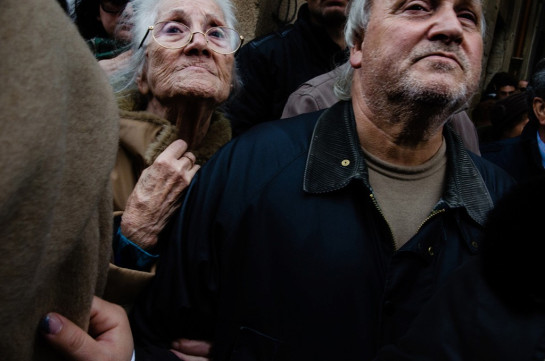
<point x="280" y="252"/>
<point x="273" y="66"/>
<point x="519" y="156"/>
<point x="467" y="321"/>
<point x="492" y="308"/>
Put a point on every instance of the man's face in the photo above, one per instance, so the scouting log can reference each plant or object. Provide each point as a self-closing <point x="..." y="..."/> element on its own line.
<point x="505" y="91"/>
<point x="328" y="11"/>
<point x="109" y="14"/>
<point x="427" y="51"/>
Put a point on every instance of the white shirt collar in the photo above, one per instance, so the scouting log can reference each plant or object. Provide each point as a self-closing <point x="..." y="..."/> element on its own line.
<point x="541" y="145"/>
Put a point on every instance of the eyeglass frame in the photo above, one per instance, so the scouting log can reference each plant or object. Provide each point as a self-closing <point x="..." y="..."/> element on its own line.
<point x="152" y="27"/>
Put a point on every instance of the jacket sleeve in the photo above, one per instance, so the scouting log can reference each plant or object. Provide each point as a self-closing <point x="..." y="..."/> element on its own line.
<point x="180" y="301"/>
<point x="301" y="101"/>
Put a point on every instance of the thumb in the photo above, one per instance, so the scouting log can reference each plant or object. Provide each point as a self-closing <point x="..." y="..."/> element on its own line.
<point x="68" y="338"/>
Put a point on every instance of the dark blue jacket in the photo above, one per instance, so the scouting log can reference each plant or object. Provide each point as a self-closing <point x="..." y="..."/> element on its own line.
<point x="280" y="252"/>
<point x="493" y="307"/>
<point x="519" y="156"/>
<point x="273" y="66"/>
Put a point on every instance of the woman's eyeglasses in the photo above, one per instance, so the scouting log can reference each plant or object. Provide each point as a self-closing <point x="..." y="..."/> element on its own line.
<point x="175" y="35"/>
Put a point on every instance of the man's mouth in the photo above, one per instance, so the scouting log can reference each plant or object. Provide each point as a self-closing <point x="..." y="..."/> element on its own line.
<point x="442" y="56"/>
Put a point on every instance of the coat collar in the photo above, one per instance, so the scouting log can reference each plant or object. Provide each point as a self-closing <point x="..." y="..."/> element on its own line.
<point x="147" y="135"/>
<point x="335" y="158"/>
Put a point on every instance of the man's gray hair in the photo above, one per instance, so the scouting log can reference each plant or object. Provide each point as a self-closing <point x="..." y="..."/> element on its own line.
<point x="359" y="12"/>
<point x="145" y="14"/>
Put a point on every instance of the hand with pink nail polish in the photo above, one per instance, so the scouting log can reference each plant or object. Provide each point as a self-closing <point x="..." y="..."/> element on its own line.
<point x="109" y="325"/>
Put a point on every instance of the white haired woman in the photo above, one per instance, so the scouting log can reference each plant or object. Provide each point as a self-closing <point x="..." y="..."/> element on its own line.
<point x="182" y="69"/>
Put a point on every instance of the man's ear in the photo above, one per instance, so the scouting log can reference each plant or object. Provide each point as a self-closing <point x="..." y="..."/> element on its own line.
<point x="356" y="52"/>
<point x="539" y="109"/>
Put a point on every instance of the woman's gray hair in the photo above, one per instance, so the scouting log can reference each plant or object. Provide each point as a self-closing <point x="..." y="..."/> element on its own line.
<point x="359" y="12"/>
<point x="145" y="14"/>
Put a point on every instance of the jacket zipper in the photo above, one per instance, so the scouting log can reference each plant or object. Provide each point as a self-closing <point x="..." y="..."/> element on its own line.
<point x="432" y="214"/>
<point x="392" y="237"/>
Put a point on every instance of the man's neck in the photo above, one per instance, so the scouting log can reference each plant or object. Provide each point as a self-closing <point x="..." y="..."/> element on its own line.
<point x="388" y="143"/>
<point x="397" y="136"/>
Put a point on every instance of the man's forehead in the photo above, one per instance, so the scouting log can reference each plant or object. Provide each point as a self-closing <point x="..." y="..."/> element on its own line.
<point x="477" y="4"/>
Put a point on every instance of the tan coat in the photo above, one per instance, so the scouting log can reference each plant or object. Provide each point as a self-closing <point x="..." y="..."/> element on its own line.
<point x="59" y="131"/>
<point x="142" y="137"/>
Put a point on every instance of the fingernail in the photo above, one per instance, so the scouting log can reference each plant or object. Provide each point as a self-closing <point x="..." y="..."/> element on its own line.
<point x="50" y="324"/>
<point x="175" y="345"/>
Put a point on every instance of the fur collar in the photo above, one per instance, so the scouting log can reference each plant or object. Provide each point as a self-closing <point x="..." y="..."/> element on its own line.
<point x="164" y="133"/>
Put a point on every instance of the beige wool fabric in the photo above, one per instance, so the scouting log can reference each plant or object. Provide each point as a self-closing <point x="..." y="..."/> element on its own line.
<point x="58" y="136"/>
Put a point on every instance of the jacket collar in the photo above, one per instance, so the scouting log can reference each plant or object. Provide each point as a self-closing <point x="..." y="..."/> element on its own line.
<point x="335" y="158"/>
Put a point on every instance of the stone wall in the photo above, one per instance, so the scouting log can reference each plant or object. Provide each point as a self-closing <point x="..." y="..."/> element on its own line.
<point x="258" y="17"/>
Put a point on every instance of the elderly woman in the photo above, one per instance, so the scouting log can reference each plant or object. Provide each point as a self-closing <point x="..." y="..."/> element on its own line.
<point x="182" y="69"/>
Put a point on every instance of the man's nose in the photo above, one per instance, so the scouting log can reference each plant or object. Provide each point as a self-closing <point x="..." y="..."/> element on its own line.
<point x="447" y="26"/>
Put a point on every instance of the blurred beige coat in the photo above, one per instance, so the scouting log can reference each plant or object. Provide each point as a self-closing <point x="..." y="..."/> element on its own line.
<point x="59" y="133"/>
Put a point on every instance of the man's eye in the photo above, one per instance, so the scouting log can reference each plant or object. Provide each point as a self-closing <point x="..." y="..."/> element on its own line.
<point x="468" y="16"/>
<point x="417" y="6"/>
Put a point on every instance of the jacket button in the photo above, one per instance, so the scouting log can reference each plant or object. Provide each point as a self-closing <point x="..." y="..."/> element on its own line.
<point x="430" y="251"/>
<point x="388" y="308"/>
<point x="475" y="244"/>
<point x="345" y="163"/>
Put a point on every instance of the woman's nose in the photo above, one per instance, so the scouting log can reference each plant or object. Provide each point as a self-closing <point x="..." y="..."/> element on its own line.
<point x="197" y="43"/>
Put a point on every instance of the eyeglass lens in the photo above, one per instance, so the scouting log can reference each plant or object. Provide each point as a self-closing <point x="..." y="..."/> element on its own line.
<point x="171" y="34"/>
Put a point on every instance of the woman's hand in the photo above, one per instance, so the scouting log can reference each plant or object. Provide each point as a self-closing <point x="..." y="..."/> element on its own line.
<point x="109" y="326"/>
<point x="157" y="193"/>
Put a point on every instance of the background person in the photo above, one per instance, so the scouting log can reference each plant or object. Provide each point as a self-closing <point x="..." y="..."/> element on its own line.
<point x="508" y="117"/>
<point x="524" y="156"/>
<point x="100" y="24"/>
<point x="274" y="65"/>
<point x="59" y="138"/>
<point x="500" y="86"/>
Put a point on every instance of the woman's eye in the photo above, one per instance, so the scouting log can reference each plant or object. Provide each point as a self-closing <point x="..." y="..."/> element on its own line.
<point x="173" y="28"/>
<point x="216" y="33"/>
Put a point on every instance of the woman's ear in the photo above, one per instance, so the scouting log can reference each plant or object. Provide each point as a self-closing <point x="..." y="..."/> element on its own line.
<point x="142" y="83"/>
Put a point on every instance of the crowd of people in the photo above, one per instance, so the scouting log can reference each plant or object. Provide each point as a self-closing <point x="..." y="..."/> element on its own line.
<point x="322" y="192"/>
